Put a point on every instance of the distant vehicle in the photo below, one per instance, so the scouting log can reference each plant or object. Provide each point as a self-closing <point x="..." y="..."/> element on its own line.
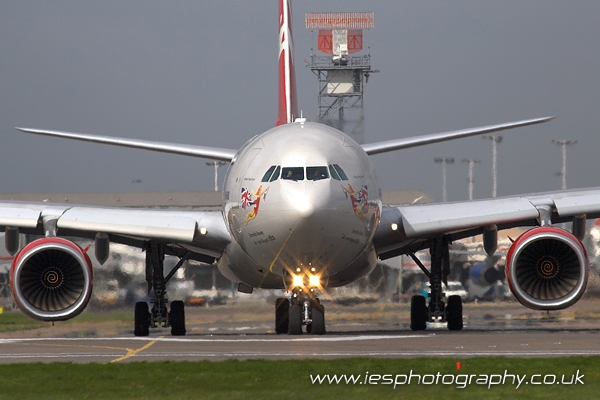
<point x="107" y="295"/>
<point x="204" y="297"/>
<point x="455" y="288"/>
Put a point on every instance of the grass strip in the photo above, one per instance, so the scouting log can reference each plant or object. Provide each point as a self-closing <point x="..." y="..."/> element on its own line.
<point x="16" y="321"/>
<point x="277" y="379"/>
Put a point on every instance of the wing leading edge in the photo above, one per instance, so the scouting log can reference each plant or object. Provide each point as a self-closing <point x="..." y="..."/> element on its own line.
<point x="212" y="153"/>
<point x="405" y="227"/>
<point x="202" y="232"/>
<point x="405" y="143"/>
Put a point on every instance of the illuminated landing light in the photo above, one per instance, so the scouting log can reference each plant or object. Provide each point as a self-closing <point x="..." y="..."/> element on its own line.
<point x="306" y="282"/>
<point x="314" y="280"/>
<point x="394" y="226"/>
<point x="298" y="280"/>
<point x="203" y="231"/>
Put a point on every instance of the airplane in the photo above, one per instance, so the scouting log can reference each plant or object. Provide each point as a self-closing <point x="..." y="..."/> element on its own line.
<point x="303" y="212"/>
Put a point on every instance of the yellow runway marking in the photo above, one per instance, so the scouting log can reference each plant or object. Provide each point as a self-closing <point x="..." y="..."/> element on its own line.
<point x="132" y="352"/>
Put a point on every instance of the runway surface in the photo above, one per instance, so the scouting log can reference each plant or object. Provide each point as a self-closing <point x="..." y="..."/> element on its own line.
<point x="376" y="330"/>
<point x="222" y="347"/>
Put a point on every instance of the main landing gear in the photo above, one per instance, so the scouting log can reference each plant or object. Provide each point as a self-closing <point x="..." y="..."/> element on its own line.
<point x="158" y="315"/>
<point x="304" y="309"/>
<point x="437" y="311"/>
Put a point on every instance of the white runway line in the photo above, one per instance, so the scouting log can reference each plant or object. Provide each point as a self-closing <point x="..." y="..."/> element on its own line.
<point x="203" y="355"/>
<point x="238" y="339"/>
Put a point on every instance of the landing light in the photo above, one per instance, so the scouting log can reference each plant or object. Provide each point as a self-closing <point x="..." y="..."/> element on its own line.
<point x="307" y="281"/>
<point x="314" y="280"/>
<point x="394" y="226"/>
<point x="298" y="280"/>
<point x="203" y="231"/>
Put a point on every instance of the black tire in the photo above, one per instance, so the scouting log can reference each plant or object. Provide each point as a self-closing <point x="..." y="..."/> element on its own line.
<point x="141" y="319"/>
<point x="317" y="327"/>
<point x="282" y="315"/>
<point x="454" y="315"/>
<point x="295" y="320"/>
<point x="177" y="318"/>
<point x="418" y="313"/>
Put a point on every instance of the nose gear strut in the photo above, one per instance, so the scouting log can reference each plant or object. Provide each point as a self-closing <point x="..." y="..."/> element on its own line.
<point x="303" y="309"/>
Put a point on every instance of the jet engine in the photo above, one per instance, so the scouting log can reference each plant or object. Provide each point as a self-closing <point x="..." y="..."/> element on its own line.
<point x="547" y="268"/>
<point x="51" y="279"/>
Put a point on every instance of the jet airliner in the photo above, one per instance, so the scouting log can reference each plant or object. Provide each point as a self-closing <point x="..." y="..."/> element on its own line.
<point x="303" y="212"/>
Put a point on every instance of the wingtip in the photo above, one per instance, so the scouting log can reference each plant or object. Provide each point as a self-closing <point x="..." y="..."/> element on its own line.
<point x="540" y="120"/>
<point x="25" y="130"/>
<point x="28" y="130"/>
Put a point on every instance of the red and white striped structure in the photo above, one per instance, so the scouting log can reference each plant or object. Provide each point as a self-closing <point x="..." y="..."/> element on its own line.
<point x="339" y="20"/>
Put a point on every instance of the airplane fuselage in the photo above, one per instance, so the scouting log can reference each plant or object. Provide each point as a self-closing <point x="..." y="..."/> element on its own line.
<point x="300" y="197"/>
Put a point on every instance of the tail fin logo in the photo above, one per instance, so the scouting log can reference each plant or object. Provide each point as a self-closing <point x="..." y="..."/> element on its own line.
<point x="288" y="106"/>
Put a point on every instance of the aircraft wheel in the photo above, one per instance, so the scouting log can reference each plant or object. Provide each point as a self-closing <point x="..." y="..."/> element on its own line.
<point x="141" y="319"/>
<point x="317" y="327"/>
<point x="418" y="313"/>
<point x="295" y="320"/>
<point x="282" y="315"/>
<point x="454" y="313"/>
<point x="177" y="318"/>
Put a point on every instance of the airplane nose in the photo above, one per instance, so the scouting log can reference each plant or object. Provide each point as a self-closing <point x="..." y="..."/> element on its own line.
<point x="322" y="229"/>
<point x="307" y="198"/>
<point x="304" y="204"/>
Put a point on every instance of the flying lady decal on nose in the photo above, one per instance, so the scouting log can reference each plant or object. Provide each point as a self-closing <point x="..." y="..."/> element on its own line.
<point x="360" y="200"/>
<point x="252" y="200"/>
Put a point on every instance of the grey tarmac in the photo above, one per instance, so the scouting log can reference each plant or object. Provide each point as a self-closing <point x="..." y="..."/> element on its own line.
<point x="233" y="332"/>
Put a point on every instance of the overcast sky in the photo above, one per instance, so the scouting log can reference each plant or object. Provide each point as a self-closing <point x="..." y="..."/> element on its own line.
<point x="204" y="72"/>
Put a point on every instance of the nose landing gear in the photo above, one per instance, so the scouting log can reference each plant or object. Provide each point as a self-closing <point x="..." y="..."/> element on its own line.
<point x="304" y="309"/>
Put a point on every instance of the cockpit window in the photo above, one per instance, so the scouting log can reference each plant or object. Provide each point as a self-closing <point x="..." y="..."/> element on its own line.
<point x="334" y="174"/>
<point x="293" y="173"/>
<point x="316" y="173"/>
<point x="340" y="172"/>
<point x="268" y="174"/>
<point x="275" y="174"/>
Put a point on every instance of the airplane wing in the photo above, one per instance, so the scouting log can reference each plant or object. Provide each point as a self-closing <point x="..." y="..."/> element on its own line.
<point x="202" y="232"/>
<point x="405" y="143"/>
<point x="212" y="153"/>
<point x="407" y="228"/>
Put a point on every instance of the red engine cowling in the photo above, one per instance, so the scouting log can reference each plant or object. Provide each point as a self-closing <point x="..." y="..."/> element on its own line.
<point x="51" y="279"/>
<point x="547" y="268"/>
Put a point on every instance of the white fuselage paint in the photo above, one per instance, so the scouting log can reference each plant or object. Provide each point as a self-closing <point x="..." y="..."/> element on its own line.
<point x="281" y="225"/>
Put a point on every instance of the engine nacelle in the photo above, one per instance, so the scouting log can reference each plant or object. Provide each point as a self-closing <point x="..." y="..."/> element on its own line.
<point x="547" y="268"/>
<point x="51" y="279"/>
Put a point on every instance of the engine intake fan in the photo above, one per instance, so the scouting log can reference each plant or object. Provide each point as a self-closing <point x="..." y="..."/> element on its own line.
<point x="52" y="279"/>
<point x="547" y="269"/>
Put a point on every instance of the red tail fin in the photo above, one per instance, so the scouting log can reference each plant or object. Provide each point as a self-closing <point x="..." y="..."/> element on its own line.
<point x="288" y="104"/>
